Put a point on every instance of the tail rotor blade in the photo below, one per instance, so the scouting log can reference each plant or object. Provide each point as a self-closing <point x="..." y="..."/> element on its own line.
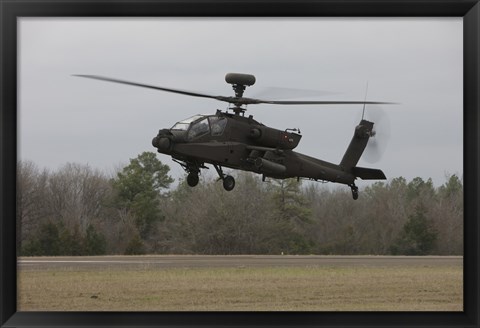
<point x="377" y="144"/>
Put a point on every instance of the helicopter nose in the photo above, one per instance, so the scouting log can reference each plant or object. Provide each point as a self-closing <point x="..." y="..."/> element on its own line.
<point x="154" y="142"/>
<point x="161" y="143"/>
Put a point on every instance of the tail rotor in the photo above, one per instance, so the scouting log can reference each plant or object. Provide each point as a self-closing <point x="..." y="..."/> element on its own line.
<point x="380" y="134"/>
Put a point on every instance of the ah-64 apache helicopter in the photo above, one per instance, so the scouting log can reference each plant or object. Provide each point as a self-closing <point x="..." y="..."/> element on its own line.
<point x="232" y="140"/>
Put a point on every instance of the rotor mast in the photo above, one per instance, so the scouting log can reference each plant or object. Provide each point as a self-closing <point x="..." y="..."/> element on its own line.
<point x="239" y="83"/>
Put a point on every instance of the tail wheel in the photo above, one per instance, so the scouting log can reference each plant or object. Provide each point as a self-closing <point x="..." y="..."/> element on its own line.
<point x="192" y="179"/>
<point x="228" y="183"/>
<point x="354" y="192"/>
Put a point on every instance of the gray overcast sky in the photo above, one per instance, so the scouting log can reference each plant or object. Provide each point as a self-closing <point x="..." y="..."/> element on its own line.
<point x="415" y="62"/>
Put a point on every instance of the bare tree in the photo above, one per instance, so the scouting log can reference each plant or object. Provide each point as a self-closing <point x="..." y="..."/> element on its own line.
<point x="31" y="200"/>
<point x="76" y="195"/>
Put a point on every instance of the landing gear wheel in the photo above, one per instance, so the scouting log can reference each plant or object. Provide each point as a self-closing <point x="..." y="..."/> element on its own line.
<point x="192" y="179"/>
<point x="228" y="183"/>
<point x="355" y="192"/>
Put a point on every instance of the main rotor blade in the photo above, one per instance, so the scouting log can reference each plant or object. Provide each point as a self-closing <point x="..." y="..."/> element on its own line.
<point x="316" y="102"/>
<point x="288" y="93"/>
<point x="183" y="92"/>
<point x="233" y="100"/>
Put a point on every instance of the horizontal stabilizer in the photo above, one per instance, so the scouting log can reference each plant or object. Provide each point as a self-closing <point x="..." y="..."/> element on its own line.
<point x="368" y="174"/>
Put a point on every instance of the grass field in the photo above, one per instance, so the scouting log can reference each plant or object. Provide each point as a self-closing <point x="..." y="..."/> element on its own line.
<point x="248" y="289"/>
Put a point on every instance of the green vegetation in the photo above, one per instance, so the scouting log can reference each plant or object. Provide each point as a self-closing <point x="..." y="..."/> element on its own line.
<point x="77" y="210"/>
<point x="53" y="239"/>
<point x="417" y="237"/>
<point x="137" y="188"/>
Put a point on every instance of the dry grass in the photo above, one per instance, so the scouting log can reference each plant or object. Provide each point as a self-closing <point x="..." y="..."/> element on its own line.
<point x="249" y="289"/>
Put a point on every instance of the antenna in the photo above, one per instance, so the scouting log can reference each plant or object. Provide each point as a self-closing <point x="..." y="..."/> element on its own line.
<point x="364" y="101"/>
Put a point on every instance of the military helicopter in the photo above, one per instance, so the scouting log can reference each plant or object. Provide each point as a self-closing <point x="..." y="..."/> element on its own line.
<point x="232" y="140"/>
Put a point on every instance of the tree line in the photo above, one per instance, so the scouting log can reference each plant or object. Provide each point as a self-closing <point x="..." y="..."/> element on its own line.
<point x="79" y="210"/>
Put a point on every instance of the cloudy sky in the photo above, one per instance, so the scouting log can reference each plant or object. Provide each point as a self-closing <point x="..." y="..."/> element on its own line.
<point x="415" y="62"/>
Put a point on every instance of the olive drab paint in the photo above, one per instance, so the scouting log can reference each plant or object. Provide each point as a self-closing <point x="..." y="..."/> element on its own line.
<point x="238" y="142"/>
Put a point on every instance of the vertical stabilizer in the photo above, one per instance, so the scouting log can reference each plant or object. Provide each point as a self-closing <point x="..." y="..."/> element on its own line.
<point x="363" y="131"/>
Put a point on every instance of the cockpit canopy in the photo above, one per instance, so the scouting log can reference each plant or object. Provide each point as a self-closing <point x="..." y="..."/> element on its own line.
<point x="200" y="125"/>
<point x="185" y="124"/>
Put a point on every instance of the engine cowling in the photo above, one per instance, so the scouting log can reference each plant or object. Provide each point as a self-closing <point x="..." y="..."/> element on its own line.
<point x="273" y="138"/>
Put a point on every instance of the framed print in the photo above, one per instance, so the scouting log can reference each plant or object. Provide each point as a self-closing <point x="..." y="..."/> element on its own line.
<point x="86" y="82"/>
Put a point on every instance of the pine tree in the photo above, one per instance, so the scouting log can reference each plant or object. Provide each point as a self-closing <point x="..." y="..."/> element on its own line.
<point x="417" y="237"/>
<point x="138" y="188"/>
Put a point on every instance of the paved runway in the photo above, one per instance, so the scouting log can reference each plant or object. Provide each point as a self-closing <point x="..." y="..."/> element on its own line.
<point x="232" y="261"/>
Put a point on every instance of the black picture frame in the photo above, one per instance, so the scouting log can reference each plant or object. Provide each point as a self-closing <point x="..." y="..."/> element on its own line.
<point x="11" y="10"/>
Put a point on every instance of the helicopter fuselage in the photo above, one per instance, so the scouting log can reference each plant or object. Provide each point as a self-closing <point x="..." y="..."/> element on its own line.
<point x="238" y="142"/>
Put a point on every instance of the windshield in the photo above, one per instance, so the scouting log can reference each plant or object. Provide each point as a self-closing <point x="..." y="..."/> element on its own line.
<point x="199" y="128"/>
<point x="217" y="124"/>
<point x="183" y="125"/>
